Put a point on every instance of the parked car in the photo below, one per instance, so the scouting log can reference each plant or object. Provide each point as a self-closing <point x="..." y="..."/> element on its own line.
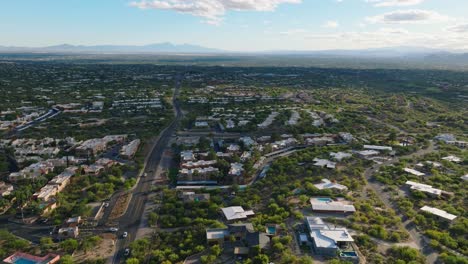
<point x="127" y="252"/>
<point x="113" y="229"/>
<point x="125" y="234"/>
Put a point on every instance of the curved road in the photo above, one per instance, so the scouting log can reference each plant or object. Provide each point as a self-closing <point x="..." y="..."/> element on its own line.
<point x="130" y="221"/>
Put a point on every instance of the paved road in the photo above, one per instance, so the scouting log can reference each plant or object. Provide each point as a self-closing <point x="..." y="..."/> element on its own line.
<point x="32" y="233"/>
<point x="130" y="221"/>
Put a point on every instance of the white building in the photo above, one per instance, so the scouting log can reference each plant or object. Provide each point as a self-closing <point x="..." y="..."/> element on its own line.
<point x="236" y="213"/>
<point x="187" y="155"/>
<point x="339" y="156"/>
<point x="327" y="205"/>
<point x="424" y="188"/>
<point x="440" y="213"/>
<point x="380" y="148"/>
<point x="236" y="169"/>
<point x="328" y="240"/>
<point x="452" y="158"/>
<point x="327" y="184"/>
<point x="414" y="172"/>
<point x="324" y="163"/>
<point x="129" y="150"/>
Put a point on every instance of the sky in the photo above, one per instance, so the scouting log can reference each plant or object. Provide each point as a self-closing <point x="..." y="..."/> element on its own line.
<point x="237" y="25"/>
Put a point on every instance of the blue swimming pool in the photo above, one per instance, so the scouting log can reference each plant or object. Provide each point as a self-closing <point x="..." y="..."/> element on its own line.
<point x="271" y="230"/>
<point x="348" y="254"/>
<point x="325" y="200"/>
<point x="24" y="261"/>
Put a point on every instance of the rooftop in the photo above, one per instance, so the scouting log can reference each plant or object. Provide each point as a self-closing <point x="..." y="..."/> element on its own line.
<point x="236" y="212"/>
<point x="327" y="184"/>
<point x="438" y="212"/>
<point x="326" y="204"/>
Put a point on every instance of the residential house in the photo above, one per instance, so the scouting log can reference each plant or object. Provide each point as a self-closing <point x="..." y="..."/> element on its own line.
<point x="327" y="184"/>
<point x="414" y="172"/>
<point x="439" y="213"/>
<point x="240" y="237"/>
<point x="329" y="240"/>
<point x="129" y="150"/>
<point x="236" y="213"/>
<point x="236" y="169"/>
<point x="324" y="163"/>
<point x="328" y="205"/>
<point x="428" y="189"/>
<point x="379" y="148"/>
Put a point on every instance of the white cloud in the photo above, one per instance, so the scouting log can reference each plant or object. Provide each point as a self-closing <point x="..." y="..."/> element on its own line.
<point x="212" y="11"/>
<point x="293" y="31"/>
<point x="461" y="28"/>
<point x="386" y="3"/>
<point x="331" y="24"/>
<point x="407" y="16"/>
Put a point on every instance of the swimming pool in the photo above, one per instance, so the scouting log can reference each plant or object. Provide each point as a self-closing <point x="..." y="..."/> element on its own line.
<point x="348" y="254"/>
<point x="325" y="200"/>
<point x="271" y="230"/>
<point x="24" y="261"/>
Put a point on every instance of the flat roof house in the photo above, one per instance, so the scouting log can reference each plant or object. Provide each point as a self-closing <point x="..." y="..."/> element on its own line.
<point x="414" y="172"/>
<point x="328" y="240"/>
<point x="327" y="205"/>
<point x="324" y="163"/>
<point x="440" y="213"/>
<point x="236" y="212"/>
<point x="241" y="236"/>
<point x="327" y="184"/>
<point x="427" y="189"/>
<point x="374" y="147"/>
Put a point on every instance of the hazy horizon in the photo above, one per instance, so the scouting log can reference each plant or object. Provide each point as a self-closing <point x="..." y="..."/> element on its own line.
<point x="241" y="25"/>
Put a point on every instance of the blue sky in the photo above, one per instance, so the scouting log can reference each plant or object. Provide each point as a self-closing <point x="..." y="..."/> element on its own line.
<point x="240" y="25"/>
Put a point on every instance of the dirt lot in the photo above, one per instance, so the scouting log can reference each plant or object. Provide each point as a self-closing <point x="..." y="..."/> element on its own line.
<point x="105" y="249"/>
<point x="120" y="206"/>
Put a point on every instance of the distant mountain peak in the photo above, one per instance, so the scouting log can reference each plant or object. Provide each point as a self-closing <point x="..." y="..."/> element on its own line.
<point x="164" y="47"/>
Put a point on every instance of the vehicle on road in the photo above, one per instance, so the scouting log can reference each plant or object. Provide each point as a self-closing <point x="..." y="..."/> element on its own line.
<point x="125" y="234"/>
<point x="127" y="252"/>
<point x="113" y="229"/>
<point x="144" y="174"/>
<point x="106" y="205"/>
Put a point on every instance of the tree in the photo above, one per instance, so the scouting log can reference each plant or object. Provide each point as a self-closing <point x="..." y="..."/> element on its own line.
<point x="132" y="261"/>
<point x="406" y="254"/>
<point x="69" y="245"/>
<point x="90" y="242"/>
<point x="261" y="259"/>
<point x="46" y="242"/>
<point x="67" y="259"/>
<point x="215" y="250"/>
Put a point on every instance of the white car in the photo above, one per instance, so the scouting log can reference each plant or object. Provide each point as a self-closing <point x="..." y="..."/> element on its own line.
<point x="125" y="234"/>
<point x="113" y="229"/>
<point x="127" y="252"/>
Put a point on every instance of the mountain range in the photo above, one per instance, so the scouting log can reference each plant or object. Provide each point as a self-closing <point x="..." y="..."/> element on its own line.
<point x="169" y="48"/>
<point x="152" y="48"/>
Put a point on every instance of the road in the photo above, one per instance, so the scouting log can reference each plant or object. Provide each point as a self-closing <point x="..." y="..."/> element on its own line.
<point x="51" y="113"/>
<point x="32" y="233"/>
<point x="130" y="221"/>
